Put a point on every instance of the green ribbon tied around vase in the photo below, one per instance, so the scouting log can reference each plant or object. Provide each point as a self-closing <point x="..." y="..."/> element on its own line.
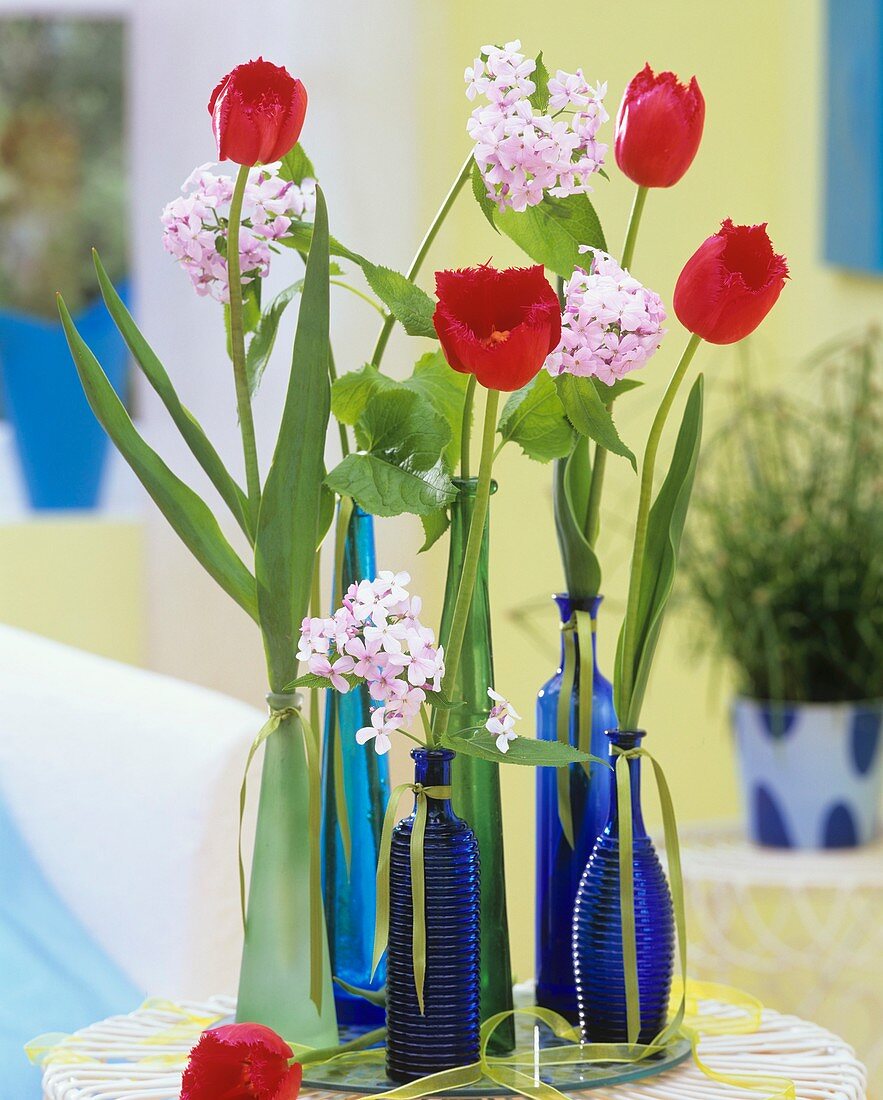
<point x="577" y="636"/>
<point x="418" y="878"/>
<point x="282" y="706"/>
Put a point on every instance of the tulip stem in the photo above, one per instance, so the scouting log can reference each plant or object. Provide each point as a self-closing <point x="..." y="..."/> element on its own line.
<point x="466" y="431"/>
<point x="237" y="348"/>
<point x="426" y="244"/>
<point x="631" y="233"/>
<point x="471" y="558"/>
<point x="647" y="470"/>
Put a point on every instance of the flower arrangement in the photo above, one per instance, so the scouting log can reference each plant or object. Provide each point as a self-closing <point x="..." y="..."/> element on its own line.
<point x="558" y="362"/>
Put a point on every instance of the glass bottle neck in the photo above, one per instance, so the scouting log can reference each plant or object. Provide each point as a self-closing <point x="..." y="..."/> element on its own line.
<point x="626" y="739"/>
<point x="432" y="768"/>
<point x="566" y="606"/>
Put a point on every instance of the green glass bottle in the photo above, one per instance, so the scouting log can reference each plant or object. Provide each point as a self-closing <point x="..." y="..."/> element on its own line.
<point x="476" y="782"/>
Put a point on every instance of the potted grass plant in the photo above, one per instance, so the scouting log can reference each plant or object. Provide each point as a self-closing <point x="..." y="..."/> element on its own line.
<point x="785" y="561"/>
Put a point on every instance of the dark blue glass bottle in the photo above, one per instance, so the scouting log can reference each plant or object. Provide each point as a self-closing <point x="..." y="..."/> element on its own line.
<point x="597" y="924"/>
<point x="447" y="1035"/>
<point x="559" y="867"/>
<point x="350" y="899"/>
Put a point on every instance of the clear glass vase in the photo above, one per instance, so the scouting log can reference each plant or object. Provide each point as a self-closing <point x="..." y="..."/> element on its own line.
<point x="559" y="867"/>
<point x="446" y="1034"/>
<point x="350" y="894"/>
<point x="477" y="782"/>
<point x="597" y="924"/>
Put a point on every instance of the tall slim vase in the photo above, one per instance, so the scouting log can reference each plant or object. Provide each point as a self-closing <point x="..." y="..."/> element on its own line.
<point x="274" y="983"/>
<point x="446" y="1033"/>
<point x="597" y="923"/>
<point x="559" y="867"/>
<point x="476" y="782"/>
<point x="350" y="894"/>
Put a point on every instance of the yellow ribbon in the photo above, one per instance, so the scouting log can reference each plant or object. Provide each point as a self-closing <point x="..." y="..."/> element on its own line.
<point x="577" y="637"/>
<point x="282" y="706"/>
<point x="418" y="879"/>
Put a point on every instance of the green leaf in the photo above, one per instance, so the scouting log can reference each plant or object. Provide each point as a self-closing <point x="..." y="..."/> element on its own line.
<point x="297" y="166"/>
<point x="410" y="305"/>
<point x="587" y="413"/>
<point x="479" y="189"/>
<point x="251" y="305"/>
<point x="552" y="231"/>
<point x="540" y="98"/>
<point x="434" y="526"/>
<point x="609" y="394"/>
<point x="327" y="505"/>
<point x="309" y="681"/>
<point x="523" y="750"/>
<point x="582" y="570"/>
<point x="437" y="700"/>
<point x="186" y="423"/>
<point x="664" y="529"/>
<point x="385" y="489"/>
<point x="187" y="513"/>
<point x="300" y="236"/>
<point x="445" y="389"/>
<point x="261" y="345"/>
<point x="402" y="425"/>
<point x="533" y="417"/>
<point x="352" y="391"/>
<point x="291" y="504"/>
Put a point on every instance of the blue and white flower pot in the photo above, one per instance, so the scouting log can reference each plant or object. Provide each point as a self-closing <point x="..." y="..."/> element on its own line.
<point x="811" y="772"/>
<point x="61" y="447"/>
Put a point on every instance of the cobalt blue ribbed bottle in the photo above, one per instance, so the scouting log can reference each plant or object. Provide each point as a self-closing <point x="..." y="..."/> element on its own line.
<point x="447" y="1035"/>
<point x="559" y="867"/>
<point x="597" y="924"/>
<point x="350" y="899"/>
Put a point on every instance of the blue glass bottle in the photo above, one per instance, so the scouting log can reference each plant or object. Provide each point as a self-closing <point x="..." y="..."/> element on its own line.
<point x="559" y="867"/>
<point x="350" y="899"/>
<point x="447" y="1035"/>
<point x="597" y="924"/>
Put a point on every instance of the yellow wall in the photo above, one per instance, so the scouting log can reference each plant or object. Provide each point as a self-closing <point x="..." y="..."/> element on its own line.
<point x="759" y="65"/>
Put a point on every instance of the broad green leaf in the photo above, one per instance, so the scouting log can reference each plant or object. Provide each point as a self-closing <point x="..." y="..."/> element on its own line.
<point x="486" y="204"/>
<point x="664" y="529"/>
<point x="609" y="394"/>
<point x="297" y="166"/>
<point x="187" y="513"/>
<point x="291" y="504"/>
<point x="540" y="98"/>
<point x="434" y="526"/>
<point x="309" y="681"/>
<point x="552" y="231"/>
<point x="385" y="489"/>
<point x="402" y="426"/>
<point x="582" y="570"/>
<point x="523" y="750"/>
<point x="410" y="305"/>
<point x="445" y="389"/>
<point x="533" y="417"/>
<point x="327" y="505"/>
<point x="186" y="423"/>
<point x="251" y="305"/>
<point x="261" y="346"/>
<point x="588" y="414"/>
<point x="352" y="391"/>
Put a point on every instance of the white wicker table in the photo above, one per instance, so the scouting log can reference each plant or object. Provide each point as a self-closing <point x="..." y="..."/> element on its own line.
<point x="110" y="1060"/>
<point x="802" y="930"/>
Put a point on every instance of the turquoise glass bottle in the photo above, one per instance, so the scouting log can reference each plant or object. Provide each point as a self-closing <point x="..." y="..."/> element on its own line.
<point x="476" y="782"/>
<point x="349" y="894"/>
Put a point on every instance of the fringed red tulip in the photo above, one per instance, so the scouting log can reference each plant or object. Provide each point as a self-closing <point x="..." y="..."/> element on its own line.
<point x="658" y="128"/>
<point x="497" y="325"/>
<point x="242" y="1062"/>
<point x="257" y="113"/>
<point x="730" y="284"/>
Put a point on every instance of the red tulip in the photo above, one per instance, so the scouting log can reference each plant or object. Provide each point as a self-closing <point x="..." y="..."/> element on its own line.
<point x="497" y="325"/>
<point x="257" y="113"/>
<point x="658" y="128"/>
<point x="730" y="283"/>
<point x="241" y="1062"/>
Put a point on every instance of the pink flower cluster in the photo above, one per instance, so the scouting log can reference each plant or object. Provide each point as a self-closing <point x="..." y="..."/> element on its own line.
<point x="376" y="636"/>
<point x="521" y="153"/>
<point x="611" y="323"/>
<point x="195" y="224"/>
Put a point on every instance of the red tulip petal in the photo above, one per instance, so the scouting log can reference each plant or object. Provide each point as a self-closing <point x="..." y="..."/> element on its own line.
<point x="258" y="112"/>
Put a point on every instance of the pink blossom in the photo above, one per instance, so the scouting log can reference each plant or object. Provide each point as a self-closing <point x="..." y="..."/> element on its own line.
<point x="501" y="720"/>
<point x="383" y="723"/>
<point x="319" y="665"/>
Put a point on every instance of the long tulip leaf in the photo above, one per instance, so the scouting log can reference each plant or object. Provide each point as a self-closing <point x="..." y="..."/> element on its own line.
<point x="289" y="517"/>
<point x="186" y="423"/>
<point x="187" y="513"/>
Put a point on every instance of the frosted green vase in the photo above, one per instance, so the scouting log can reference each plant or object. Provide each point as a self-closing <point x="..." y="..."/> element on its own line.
<point x="274" y="983"/>
<point x="476" y="783"/>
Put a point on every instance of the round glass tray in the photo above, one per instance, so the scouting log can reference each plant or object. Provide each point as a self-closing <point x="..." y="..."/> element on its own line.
<point x="369" y="1077"/>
